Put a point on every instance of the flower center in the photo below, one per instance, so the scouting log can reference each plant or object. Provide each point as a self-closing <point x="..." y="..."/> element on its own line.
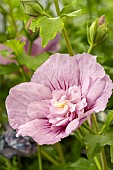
<point x="66" y="106"/>
<point x="60" y="104"/>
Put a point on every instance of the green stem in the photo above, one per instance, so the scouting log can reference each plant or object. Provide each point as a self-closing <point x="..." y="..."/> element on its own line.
<point x="88" y="128"/>
<point x="12" y="17"/>
<point x="59" y="149"/>
<point x="96" y="129"/>
<point x="102" y="154"/>
<point x="30" y="47"/>
<point x="39" y="157"/>
<point x="64" y="32"/>
<point x="78" y="137"/>
<point x="57" y="7"/>
<point x="103" y="159"/>
<point x="47" y="15"/>
<point x="80" y="130"/>
<point x="22" y="73"/>
<point x="90" y="49"/>
<point x="97" y="163"/>
<point x="49" y="157"/>
<point x="95" y="124"/>
<point x="89" y="4"/>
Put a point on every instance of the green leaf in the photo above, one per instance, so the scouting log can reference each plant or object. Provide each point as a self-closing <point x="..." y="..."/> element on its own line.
<point x="59" y="167"/>
<point x="33" y="24"/>
<point x="109" y="134"/>
<point x="15" y="164"/>
<point x="94" y="144"/>
<point x="2" y="9"/>
<point x="4" y="53"/>
<point x="68" y="8"/>
<point x="32" y="62"/>
<point x="4" y="163"/>
<point x="108" y="120"/>
<point x="72" y="14"/>
<point x="11" y="34"/>
<point x="16" y="45"/>
<point x="7" y="69"/>
<point x="82" y="164"/>
<point x="48" y="28"/>
<point x="2" y="37"/>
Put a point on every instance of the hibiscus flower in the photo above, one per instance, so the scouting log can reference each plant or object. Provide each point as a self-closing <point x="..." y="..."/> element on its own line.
<point x="62" y="93"/>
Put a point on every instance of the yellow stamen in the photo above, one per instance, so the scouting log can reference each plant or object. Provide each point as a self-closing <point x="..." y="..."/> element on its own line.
<point x="60" y="105"/>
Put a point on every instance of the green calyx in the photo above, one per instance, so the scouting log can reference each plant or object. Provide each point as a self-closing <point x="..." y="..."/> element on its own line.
<point x="97" y="32"/>
<point x="32" y="8"/>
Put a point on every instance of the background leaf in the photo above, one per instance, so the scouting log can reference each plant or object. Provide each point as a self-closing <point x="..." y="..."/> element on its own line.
<point x="82" y="164"/>
<point x="108" y="120"/>
<point x="32" y="62"/>
<point x="7" y="69"/>
<point x="72" y="14"/>
<point x="94" y="143"/>
<point x="68" y="8"/>
<point x="4" y="164"/>
<point x="16" y="45"/>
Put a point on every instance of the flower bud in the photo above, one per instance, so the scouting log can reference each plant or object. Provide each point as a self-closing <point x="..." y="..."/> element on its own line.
<point x="98" y="31"/>
<point x="32" y="8"/>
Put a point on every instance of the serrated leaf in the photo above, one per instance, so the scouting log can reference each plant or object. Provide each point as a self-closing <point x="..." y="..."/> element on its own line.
<point x="108" y="120"/>
<point x="48" y="28"/>
<point x="32" y="62"/>
<point x="72" y="14"/>
<point x="16" y="45"/>
<point x="7" y="69"/>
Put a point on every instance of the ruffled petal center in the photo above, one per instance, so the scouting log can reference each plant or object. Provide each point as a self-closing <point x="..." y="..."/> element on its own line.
<point x="66" y="106"/>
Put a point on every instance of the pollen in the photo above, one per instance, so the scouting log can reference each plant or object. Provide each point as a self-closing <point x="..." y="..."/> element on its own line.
<point x="60" y="105"/>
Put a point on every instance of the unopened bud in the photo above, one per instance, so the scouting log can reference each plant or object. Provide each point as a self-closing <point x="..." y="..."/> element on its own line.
<point x="101" y="20"/>
<point x="32" y="8"/>
<point x="98" y="31"/>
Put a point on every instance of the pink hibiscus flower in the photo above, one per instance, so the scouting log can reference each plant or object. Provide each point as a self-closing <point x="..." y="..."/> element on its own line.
<point x="37" y="48"/>
<point x="62" y="93"/>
